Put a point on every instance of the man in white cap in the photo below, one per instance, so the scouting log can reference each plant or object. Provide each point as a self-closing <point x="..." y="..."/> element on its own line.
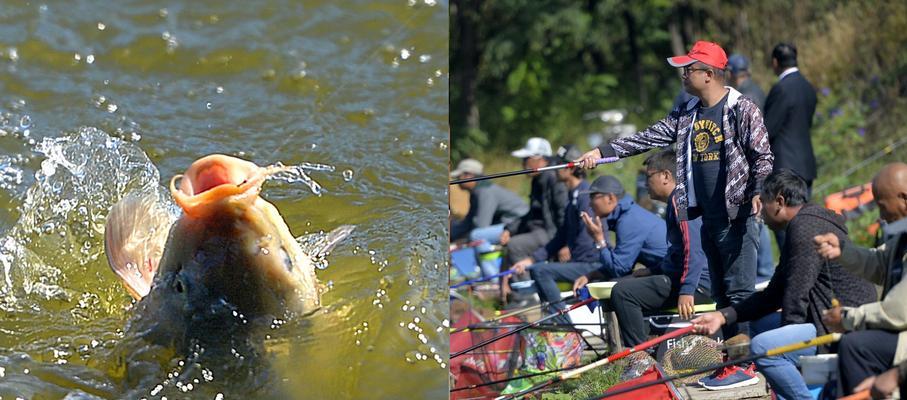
<point x="547" y="201"/>
<point x="490" y="208"/>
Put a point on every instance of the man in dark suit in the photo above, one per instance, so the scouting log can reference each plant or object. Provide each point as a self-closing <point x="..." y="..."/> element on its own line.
<point x="789" y="111"/>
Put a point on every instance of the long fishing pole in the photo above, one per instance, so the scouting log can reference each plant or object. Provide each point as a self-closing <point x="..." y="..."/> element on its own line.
<point x="609" y="359"/>
<point x="510" y="314"/>
<point x="534" y="374"/>
<point x="819" y="341"/>
<point x="600" y="161"/>
<point x="521" y="328"/>
<point x="487" y="278"/>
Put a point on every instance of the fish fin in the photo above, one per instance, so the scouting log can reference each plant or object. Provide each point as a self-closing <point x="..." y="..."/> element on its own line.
<point x="134" y="236"/>
<point x="319" y="245"/>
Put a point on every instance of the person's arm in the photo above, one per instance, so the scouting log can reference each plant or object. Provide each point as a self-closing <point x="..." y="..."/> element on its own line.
<point x="485" y="209"/>
<point x="560" y="203"/>
<point x="757" y="149"/>
<point x="870" y="264"/>
<point x="694" y="260"/>
<point x="888" y="314"/>
<point x="619" y="261"/>
<point x="776" y="111"/>
<point x="661" y="134"/>
<point x="802" y="265"/>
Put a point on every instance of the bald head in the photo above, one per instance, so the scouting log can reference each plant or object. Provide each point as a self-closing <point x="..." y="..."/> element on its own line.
<point x="889" y="188"/>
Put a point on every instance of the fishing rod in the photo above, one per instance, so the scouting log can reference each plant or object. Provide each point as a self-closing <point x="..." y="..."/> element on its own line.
<point x="478" y="385"/>
<point x="600" y="161"/>
<point x="487" y="278"/>
<point x="521" y="328"/>
<point x="608" y="360"/>
<point x="510" y="314"/>
<point x="861" y="395"/>
<point x="819" y="341"/>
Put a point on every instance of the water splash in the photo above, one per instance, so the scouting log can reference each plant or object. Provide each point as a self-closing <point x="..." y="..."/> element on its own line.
<point x="62" y="216"/>
<point x="296" y="173"/>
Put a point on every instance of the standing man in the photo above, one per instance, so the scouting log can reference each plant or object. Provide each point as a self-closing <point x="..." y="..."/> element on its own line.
<point x="723" y="155"/>
<point x="739" y="67"/>
<point x="789" y="111"/>
<point x="682" y="277"/>
<point x="547" y="201"/>
<point x="490" y="208"/>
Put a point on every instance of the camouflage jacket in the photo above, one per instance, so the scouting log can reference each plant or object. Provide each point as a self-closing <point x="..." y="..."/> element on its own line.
<point x="748" y="154"/>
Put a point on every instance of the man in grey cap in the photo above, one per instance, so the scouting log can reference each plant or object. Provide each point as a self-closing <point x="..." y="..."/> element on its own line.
<point x="641" y="238"/>
<point x="739" y="67"/>
<point x="490" y="208"/>
<point x="547" y="200"/>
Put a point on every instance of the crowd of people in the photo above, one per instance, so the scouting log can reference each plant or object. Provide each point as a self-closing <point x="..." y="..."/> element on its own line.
<point x="730" y="163"/>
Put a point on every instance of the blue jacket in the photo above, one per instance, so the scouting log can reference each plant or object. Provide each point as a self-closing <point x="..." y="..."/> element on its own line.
<point x="572" y="233"/>
<point x="640" y="239"/>
<point x="685" y="263"/>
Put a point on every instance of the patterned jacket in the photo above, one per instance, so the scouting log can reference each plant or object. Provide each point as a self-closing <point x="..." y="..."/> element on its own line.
<point x="748" y="154"/>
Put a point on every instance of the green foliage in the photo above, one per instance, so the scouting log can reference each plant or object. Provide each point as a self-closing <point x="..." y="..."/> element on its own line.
<point x="540" y="66"/>
<point x="589" y="384"/>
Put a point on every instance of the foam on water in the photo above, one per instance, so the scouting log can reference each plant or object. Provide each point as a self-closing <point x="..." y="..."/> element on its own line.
<point x="62" y="215"/>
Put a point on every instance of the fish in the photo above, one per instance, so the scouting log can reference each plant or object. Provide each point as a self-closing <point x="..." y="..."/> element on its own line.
<point x="222" y="264"/>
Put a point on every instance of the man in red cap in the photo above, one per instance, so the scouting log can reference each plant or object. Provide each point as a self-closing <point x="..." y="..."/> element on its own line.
<point x="723" y="155"/>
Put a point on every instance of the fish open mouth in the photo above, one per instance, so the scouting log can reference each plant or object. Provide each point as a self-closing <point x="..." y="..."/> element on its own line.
<point x="214" y="179"/>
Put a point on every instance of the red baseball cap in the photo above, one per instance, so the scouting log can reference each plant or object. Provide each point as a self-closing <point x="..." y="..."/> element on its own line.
<point x="702" y="51"/>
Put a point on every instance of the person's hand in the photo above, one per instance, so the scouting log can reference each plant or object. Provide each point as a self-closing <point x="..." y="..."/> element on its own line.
<point x="505" y="237"/>
<point x="833" y="319"/>
<point x="880" y="386"/>
<point x="757" y="206"/>
<point x="579" y="283"/>
<point x="685" y="306"/>
<point x="587" y="160"/>
<point x="520" y="266"/>
<point x="564" y="254"/>
<point x="594" y="227"/>
<point x="708" y="323"/>
<point x="828" y="246"/>
<point x="505" y="288"/>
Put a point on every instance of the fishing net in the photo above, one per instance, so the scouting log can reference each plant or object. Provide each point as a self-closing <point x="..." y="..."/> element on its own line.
<point x="691" y="353"/>
<point x="637" y="365"/>
<point x="496" y="361"/>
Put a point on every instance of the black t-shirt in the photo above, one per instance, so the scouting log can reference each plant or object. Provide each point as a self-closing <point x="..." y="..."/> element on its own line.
<point x="707" y="160"/>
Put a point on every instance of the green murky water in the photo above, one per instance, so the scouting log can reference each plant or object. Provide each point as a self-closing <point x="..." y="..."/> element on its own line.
<point x="361" y="86"/>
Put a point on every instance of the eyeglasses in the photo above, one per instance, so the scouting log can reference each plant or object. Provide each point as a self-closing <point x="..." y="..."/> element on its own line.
<point x="649" y="176"/>
<point x="689" y="70"/>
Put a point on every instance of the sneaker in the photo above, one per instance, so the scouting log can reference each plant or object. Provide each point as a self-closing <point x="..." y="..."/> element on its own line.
<point x="731" y="377"/>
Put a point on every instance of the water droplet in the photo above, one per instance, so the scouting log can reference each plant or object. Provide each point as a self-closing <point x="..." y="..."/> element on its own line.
<point x="220" y="89"/>
<point x="13" y="54"/>
<point x="208" y="105"/>
<point x="25" y="122"/>
<point x="424" y="58"/>
<point x="77" y="57"/>
<point x="404" y="54"/>
<point x="90" y="59"/>
<point x="348" y="175"/>
<point x="163" y="13"/>
<point x="112" y="108"/>
<point x="101" y="26"/>
<point x="265" y="251"/>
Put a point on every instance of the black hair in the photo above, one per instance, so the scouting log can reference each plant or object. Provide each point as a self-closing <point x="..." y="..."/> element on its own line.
<point x="665" y="160"/>
<point x="786" y="54"/>
<point x="787" y="183"/>
<point x="579" y="172"/>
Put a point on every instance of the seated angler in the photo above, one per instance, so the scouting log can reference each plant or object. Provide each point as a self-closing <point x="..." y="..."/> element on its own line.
<point x="640" y="238"/>
<point x="803" y="286"/>
<point x="877" y="332"/>
<point x="682" y="278"/>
